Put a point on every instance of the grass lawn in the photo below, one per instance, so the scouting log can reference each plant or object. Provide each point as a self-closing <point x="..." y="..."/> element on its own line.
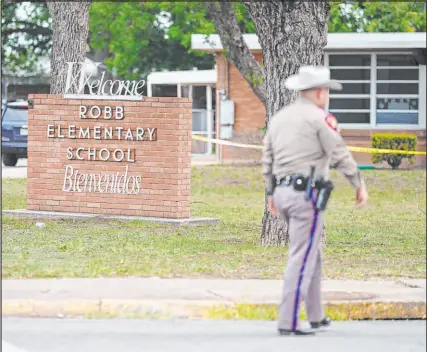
<point x="387" y="239"/>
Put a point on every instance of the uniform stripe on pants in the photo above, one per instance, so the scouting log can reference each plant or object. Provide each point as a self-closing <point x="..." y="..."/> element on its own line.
<point x="301" y="274"/>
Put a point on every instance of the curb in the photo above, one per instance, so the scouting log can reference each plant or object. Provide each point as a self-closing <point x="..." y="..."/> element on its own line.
<point x="344" y="310"/>
<point x="52" y="215"/>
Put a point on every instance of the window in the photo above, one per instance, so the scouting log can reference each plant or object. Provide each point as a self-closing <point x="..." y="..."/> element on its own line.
<point x="353" y="117"/>
<point x="349" y="104"/>
<point x="185" y="91"/>
<point x="347" y="60"/>
<point x="378" y="89"/>
<point x="164" y="90"/>
<point x="385" y="74"/>
<point x="199" y="97"/>
<point x="352" y="103"/>
<point x="397" y="90"/>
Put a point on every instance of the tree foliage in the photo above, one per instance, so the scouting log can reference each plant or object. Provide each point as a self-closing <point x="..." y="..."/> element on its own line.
<point x="379" y="16"/>
<point x="147" y="36"/>
<point x="139" y="37"/>
<point x="26" y="35"/>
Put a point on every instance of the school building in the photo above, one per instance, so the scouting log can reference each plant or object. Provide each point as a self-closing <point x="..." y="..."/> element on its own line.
<point x="384" y="80"/>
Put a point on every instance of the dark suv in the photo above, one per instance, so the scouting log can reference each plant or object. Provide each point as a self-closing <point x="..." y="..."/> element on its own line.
<point x="14" y="132"/>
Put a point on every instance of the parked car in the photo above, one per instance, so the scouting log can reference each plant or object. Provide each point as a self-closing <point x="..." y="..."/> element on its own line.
<point x="14" y="132"/>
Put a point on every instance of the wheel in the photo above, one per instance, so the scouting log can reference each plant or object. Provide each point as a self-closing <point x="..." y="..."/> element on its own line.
<point x="10" y="159"/>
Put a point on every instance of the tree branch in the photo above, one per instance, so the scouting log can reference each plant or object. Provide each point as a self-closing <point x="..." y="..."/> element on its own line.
<point x="224" y="17"/>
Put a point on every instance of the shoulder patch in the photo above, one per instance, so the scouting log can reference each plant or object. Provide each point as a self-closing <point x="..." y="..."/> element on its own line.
<point x="332" y="122"/>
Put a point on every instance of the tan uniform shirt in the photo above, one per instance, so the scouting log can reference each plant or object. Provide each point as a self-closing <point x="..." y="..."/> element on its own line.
<point x="297" y="138"/>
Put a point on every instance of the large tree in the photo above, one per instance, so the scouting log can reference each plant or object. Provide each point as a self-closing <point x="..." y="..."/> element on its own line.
<point x="137" y="37"/>
<point x="70" y="26"/>
<point x="291" y="34"/>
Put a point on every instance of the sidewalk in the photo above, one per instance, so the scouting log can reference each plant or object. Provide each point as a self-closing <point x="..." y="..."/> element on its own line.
<point x="201" y="298"/>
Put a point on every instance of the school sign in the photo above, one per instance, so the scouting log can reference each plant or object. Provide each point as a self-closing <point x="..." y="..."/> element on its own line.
<point x="109" y="152"/>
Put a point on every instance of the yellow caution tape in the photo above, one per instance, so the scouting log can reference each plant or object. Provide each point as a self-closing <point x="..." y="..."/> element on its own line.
<point x="384" y="151"/>
<point x="352" y="149"/>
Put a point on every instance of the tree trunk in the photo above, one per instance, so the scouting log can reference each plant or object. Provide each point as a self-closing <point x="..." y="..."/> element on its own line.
<point x="237" y="52"/>
<point x="274" y="230"/>
<point x="70" y="26"/>
<point x="291" y="34"/>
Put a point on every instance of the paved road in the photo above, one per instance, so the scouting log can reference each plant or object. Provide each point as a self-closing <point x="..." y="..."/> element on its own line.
<point x="56" y="335"/>
<point x="18" y="171"/>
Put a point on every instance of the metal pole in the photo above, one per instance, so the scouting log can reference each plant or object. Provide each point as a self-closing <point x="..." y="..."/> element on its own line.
<point x="209" y="117"/>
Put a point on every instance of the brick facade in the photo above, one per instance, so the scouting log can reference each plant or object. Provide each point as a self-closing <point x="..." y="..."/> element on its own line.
<point x="249" y="114"/>
<point x="162" y="160"/>
<point x="250" y="119"/>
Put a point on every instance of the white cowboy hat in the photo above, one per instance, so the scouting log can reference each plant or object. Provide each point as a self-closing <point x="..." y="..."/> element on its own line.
<point x="312" y="77"/>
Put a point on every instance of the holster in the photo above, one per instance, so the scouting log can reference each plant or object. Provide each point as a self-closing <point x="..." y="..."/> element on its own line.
<point x="324" y="192"/>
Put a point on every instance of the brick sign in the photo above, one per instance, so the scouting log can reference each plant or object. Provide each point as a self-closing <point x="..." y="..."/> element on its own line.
<point x="110" y="157"/>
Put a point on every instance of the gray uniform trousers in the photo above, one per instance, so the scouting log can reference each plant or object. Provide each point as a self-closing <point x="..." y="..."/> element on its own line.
<point x="302" y="278"/>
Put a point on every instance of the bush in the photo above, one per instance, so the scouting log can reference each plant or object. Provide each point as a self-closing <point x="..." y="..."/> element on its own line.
<point x="393" y="141"/>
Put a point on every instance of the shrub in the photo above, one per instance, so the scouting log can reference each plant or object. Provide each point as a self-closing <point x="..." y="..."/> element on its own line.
<point x="393" y="141"/>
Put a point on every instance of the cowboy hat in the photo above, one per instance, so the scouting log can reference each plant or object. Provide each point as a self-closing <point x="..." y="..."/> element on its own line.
<point x="309" y="77"/>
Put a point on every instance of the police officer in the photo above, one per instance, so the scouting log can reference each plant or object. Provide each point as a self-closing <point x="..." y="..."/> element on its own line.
<point x="301" y="143"/>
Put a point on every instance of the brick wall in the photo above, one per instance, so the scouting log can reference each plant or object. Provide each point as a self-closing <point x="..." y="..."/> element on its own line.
<point x="249" y="114"/>
<point x="163" y="163"/>
<point x="250" y="118"/>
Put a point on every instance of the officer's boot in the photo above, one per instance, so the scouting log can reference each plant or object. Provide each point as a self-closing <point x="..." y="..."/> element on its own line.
<point x="321" y="324"/>
<point x="285" y="332"/>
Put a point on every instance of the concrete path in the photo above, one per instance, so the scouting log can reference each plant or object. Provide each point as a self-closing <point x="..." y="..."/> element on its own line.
<point x="235" y="291"/>
<point x="111" y="335"/>
<point x="18" y="171"/>
<point x="190" y="297"/>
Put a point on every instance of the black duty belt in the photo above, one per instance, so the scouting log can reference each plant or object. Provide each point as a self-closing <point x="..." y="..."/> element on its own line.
<point x="299" y="182"/>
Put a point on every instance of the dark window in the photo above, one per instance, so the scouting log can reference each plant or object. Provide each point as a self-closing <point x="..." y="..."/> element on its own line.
<point x="164" y="90"/>
<point x="353" y="117"/>
<point x="349" y="60"/>
<point x="14" y="114"/>
<point x="350" y="74"/>
<point x="349" y="104"/>
<point x="354" y="88"/>
<point x="396" y="60"/>
<point x="199" y="97"/>
<point x="397" y="88"/>
<point x="397" y="74"/>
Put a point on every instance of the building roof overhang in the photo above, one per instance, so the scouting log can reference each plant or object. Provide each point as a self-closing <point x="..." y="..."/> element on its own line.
<point x="336" y="41"/>
<point x="196" y="77"/>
